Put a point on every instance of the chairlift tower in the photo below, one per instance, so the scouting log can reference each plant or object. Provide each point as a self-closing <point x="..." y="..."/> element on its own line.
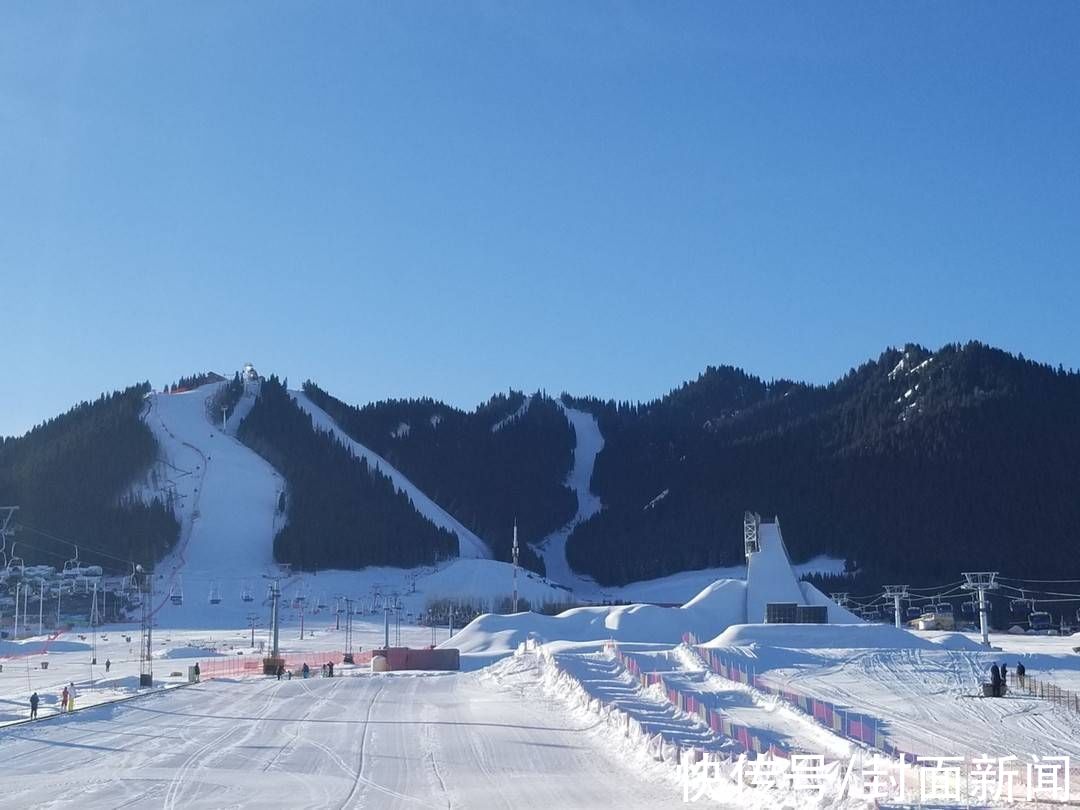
<point x="981" y="582"/>
<point x="896" y="593"/>
<point x="751" y="522"/>
<point x="841" y="599"/>
<point x="146" y="647"/>
<point x="7" y="516"/>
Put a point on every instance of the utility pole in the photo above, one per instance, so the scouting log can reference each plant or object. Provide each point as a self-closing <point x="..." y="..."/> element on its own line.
<point x="224" y="414"/>
<point x="15" y="629"/>
<point x="270" y="665"/>
<point x="386" y="625"/>
<point x="514" y="607"/>
<point x="302" y="604"/>
<point x="93" y="626"/>
<point x="981" y="582"/>
<point x="896" y="593"/>
<point x="41" y="609"/>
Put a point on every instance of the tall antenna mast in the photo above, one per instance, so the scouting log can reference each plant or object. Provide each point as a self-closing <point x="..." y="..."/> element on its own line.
<point x="514" y="608"/>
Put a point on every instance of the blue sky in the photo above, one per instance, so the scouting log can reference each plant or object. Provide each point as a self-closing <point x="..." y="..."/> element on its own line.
<point x="452" y="199"/>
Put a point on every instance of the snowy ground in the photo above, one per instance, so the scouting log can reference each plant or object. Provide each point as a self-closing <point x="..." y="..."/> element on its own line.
<point x="480" y="740"/>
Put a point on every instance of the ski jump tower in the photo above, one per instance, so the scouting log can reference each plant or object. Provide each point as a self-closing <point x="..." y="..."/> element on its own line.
<point x="769" y="575"/>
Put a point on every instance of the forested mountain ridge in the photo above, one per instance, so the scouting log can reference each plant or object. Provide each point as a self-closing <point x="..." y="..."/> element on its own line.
<point x="71" y="477"/>
<point x="507" y="460"/>
<point x="914" y="466"/>
<point x="916" y="463"/>
<point x="340" y="512"/>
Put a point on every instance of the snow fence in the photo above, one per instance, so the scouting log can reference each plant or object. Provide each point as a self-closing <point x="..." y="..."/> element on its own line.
<point x="855" y="726"/>
<point x="691" y="703"/>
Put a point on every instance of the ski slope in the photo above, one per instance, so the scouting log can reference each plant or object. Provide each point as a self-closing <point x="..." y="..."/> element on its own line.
<point x="469" y="544"/>
<point x="226" y="501"/>
<point x="442" y="741"/>
<point x="589" y="443"/>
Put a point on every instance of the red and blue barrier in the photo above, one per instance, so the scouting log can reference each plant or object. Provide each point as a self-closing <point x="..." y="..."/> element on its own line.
<point x="852" y="725"/>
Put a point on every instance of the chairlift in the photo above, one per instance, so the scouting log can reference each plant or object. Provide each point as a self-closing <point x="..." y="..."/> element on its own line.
<point x="1040" y="621"/>
<point x="176" y="592"/>
<point x="72" y="568"/>
<point x="968" y="609"/>
<point x="913" y="612"/>
<point x="943" y="607"/>
<point x="245" y="593"/>
<point x="215" y="594"/>
<point x="15" y="566"/>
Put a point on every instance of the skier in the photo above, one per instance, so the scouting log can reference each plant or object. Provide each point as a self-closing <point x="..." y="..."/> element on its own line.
<point x="63" y="700"/>
<point x="1020" y="672"/>
<point x="1004" y="679"/>
<point x="71" y="696"/>
<point x="280" y="671"/>
<point x="330" y="668"/>
<point x="33" y="706"/>
<point x="995" y="680"/>
<point x="305" y="669"/>
<point x="108" y="664"/>
<point x="197" y="672"/>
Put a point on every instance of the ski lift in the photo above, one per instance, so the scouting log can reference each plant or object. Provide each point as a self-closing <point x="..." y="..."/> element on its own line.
<point x="968" y="609"/>
<point x="15" y="566"/>
<point x="943" y="607"/>
<point x="176" y="592"/>
<point x="72" y="568"/>
<point x="321" y="604"/>
<point x="1039" y="621"/>
<point x="1020" y="607"/>
<point x="913" y="613"/>
<point x="215" y="594"/>
<point x="245" y="594"/>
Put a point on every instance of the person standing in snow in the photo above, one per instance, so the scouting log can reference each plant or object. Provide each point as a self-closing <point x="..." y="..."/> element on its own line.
<point x="64" y="700"/>
<point x="280" y="671"/>
<point x="1004" y="679"/>
<point x="108" y="664"/>
<point x="995" y="680"/>
<point x="197" y="672"/>
<point x="305" y="669"/>
<point x="1020" y="672"/>
<point x="330" y="668"/>
<point x="71" y="696"/>
<point x="33" y="706"/>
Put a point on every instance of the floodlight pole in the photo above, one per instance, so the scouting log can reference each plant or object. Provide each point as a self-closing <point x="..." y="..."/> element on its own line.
<point x="981" y="582"/>
<point x="897" y="592"/>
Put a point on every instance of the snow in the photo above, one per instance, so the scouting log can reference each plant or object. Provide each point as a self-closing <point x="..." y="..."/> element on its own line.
<point x="469" y="544"/>
<point x="657" y="499"/>
<point x="493" y="739"/>
<point x="520" y="412"/>
<point x="226" y="501"/>
<point x="589" y="443"/>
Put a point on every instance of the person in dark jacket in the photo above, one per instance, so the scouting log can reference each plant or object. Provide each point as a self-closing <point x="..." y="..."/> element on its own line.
<point x="280" y="671"/>
<point x="33" y="706"/>
<point x="1020" y="673"/>
<point x="330" y="668"/>
<point x="1004" y="679"/>
<point x="995" y="680"/>
<point x="305" y="669"/>
<point x="198" y="674"/>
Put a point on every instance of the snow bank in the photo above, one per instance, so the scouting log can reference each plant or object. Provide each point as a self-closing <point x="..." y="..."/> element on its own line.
<point x="957" y="641"/>
<point x="719" y="605"/>
<point x="820" y="636"/>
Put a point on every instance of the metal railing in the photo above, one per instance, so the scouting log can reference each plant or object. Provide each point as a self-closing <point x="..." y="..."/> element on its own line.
<point x="1040" y="688"/>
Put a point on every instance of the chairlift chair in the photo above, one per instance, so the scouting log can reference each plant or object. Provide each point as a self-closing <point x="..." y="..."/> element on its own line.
<point x="215" y="594"/>
<point x="176" y="592"/>
<point x="72" y="568"/>
<point x="15" y="566"/>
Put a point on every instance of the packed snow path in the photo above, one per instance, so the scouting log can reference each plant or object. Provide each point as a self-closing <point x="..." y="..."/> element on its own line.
<point x="469" y="545"/>
<point x="553" y="548"/>
<point x="441" y="741"/>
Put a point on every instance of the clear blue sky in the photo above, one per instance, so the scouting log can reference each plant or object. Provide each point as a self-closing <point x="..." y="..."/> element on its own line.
<point x="455" y="198"/>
